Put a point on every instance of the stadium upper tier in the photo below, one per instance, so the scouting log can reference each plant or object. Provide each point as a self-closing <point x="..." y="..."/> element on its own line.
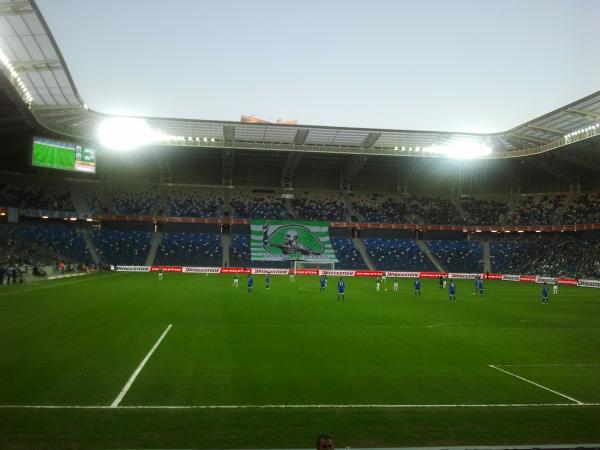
<point x="155" y="200"/>
<point x="33" y="65"/>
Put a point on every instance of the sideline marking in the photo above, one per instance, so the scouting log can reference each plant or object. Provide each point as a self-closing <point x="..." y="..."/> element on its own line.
<point x="2" y="294"/>
<point x="137" y="371"/>
<point x="536" y="384"/>
<point x="550" y="365"/>
<point x="308" y="406"/>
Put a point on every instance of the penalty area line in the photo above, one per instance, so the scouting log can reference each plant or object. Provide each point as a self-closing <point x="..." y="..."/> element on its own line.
<point x="309" y="406"/>
<point x="139" y="368"/>
<point x="536" y="384"/>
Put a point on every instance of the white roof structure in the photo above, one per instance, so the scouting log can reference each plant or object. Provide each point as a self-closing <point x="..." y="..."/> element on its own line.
<point x="32" y="62"/>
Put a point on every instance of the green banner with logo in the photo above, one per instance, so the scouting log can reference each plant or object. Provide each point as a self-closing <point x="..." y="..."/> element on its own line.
<point x="284" y="240"/>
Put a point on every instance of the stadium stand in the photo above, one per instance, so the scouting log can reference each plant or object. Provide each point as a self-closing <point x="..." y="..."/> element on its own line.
<point x="190" y="249"/>
<point x="36" y="195"/>
<point x="397" y="254"/>
<point x="347" y="255"/>
<point x="536" y="210"/>
<point x="434" y="211"/>
<point x="240" y="250"/>
<point x="312" y="206"/>
<point x="483" y="212"/>
<point x="54" y="242"/>
<point x="191" y="203"/>
<point x="125" y="200"/>
<point x="16" y="249"/>
<point x="121" y="246"/>
<point x="571" y="258"/>
<point x="257" y="205"/>
<point x="458" y="256"/>
<point x="380" y="209"/>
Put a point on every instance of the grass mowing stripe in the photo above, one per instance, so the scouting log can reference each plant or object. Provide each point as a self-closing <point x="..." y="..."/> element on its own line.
<point x="536" y="384"/>
<point x="57" y="285"/>
<point x="315" y="406"/>
<point x="137" y="371"/>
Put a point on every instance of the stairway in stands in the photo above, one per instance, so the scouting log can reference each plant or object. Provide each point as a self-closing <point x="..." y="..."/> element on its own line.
<point x="155" y="242"/>
<point x="78" y="197"/>
<point x="87" y="237"/>
<point x="486" y="257"/>
<point x="360" y="246"/>
<point x="425" y="249"/>
<point x="226" y="247"/>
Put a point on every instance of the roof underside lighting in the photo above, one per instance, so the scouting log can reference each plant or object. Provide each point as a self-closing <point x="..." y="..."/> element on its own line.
<point x="460" y="150"/>
<point x="124" y="133"/>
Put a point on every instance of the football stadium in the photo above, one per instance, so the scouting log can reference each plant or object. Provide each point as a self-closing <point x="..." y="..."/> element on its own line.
<point x="265" y="284"/>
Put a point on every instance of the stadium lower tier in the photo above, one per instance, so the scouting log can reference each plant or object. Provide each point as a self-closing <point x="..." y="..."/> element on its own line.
<point x="47" y="243"/>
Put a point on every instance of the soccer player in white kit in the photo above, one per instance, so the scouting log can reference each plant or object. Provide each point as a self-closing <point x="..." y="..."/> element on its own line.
<point x="555" y="287"/>
<point x="396" y="284"/>
<point x="377" y="286"/>
<point x="236" y="281"/>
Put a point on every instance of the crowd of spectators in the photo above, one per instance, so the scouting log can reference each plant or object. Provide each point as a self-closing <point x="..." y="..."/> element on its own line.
<point x="380" y="209"/>
<point x="584" y="209"/>
<point x="538" y="211"/>
<point x="433" y="211"/>
<point x="190" y="249"/>
<point x="59" y="242"/>
<point x="258" y="205"/>
<point x="571" y="258"/>
<point x="49" y="196"/>
<point x="483" y="212"/>
<point x="124" y="201"/>
<point x="185" y="203"/>
<point x="319" y="207"/>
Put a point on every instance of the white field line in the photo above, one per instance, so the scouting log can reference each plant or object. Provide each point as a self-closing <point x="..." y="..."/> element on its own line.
<point x="2" y="294"/>
<point x="309" y="406"/>
<point x="137" y="371"/>
<point x="536" y="384"/>
<point x="550" y="365"/>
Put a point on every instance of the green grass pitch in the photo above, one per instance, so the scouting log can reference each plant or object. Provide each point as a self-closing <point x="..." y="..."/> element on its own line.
<point x="391" y="369"/>
<point x="53" y="157"/>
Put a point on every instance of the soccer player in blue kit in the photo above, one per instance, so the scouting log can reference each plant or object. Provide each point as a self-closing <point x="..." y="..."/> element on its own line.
<point x="250" y="283"/>
<point x="417" y="286"/>
<point x="268" y="281"/>
<point x="341" y="289"/>
<point x="480" y="285"/>
<point x="545" y="294"/>
<point x="452" y="291"/>
<point x="322" y="283"/>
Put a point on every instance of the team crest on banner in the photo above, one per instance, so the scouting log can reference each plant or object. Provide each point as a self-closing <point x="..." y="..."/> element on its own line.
<point x="282" y="240"/>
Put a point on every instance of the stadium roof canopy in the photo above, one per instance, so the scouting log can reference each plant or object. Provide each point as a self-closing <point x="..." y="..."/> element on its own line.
<point x="33" y="64"/>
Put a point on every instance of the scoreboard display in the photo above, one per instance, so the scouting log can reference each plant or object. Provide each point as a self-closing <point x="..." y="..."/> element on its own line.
<point x="63" y="155"/>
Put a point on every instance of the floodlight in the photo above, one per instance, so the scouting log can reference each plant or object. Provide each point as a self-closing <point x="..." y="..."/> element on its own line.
<point x="125" y="133"/>
<point x="212" y="139"/>
<point x="395" y="148"/>
<point x="461" y="149"/>
<point x="205" y="139"/>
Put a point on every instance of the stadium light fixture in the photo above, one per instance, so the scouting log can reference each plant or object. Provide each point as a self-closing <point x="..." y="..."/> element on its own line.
<point x="125" y="133"/>
<point x="205" y="139"/>
<point x="395" y="148"/>
<point x="44" y="217"/>
<point x="520" y="231"/>
<point x="460" y="149"/>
